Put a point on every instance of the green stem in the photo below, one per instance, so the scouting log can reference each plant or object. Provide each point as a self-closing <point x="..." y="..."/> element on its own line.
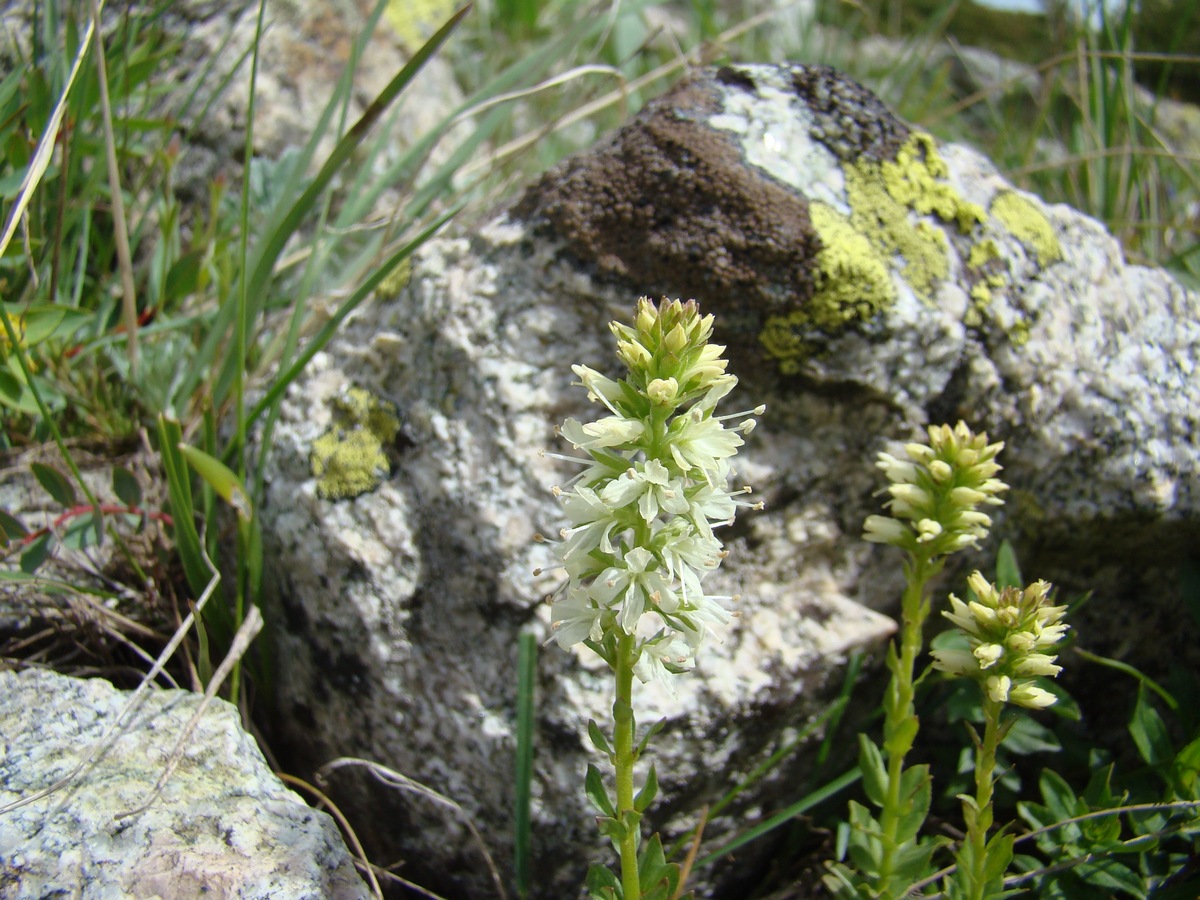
<point x="979" y="820"/>
<point x="623" y="746"/>
<point x="900" y="722"/>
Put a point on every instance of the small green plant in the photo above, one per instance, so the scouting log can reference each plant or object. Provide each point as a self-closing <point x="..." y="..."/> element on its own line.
<point x="1007" y="631"/>
<point x="936" y="490"/>
<point x="640" y="544"/>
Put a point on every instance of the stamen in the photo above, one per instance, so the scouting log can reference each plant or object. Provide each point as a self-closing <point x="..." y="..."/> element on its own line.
<point x="571" y="459"/>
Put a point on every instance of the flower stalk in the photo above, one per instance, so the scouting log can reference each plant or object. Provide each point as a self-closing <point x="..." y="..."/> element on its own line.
<point x="1007" y="632"/>
<point x="935" y="493"/>
<point x="641" y="540"/>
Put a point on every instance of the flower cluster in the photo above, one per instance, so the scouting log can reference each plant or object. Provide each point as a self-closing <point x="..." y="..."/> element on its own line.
<point x="643" y="511"/>
<point x="935" y="492"/>
<point x="1008" y="632"/>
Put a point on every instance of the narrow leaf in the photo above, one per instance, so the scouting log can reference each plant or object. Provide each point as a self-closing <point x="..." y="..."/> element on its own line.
<point x="1008" y="573"/>
<point x="1149" y="731"/>
<point x="220" y="478"/>
<point x="599" y="741"/>
<point x="602" y="884"/>
<point x="594" y="787"/>
<point x="874" y="773"/>
<point x="648" y="792"/>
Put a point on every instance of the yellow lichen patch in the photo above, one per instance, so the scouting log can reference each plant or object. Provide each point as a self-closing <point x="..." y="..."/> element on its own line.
<point x="851" y="283"/>
<point x="852" y="270"/>
<point x="982" y="253"/>
<point x="917" y="180"/>
<point x="882" y="197"/>
<point x="415" y="21"/>
<point x="348" y="459"/>
<point x="984" y="263"/>
<point x="1028" y="224"/>
<point x="394" y="283"/>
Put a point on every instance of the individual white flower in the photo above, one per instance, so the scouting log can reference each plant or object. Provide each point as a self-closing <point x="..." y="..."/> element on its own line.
<point x="627" y="586"/>
<point x="1031" y="696"/>
<point x="651" y="486"/>
<point x="884" y="530"/>
<point x="955" y="662"/>
<point x="611" y="431"/>
<point x="998" y="687"/>
<point x="663" y="391"/>
<point x="575" y="618"/>
<point x="593" y="522"/>
<point x="988" y="655"/>
<point x="927" y="530"/>
<point x="601" y="388"/>
<point x="700" y="442"/>
<point x="662" y="657"/>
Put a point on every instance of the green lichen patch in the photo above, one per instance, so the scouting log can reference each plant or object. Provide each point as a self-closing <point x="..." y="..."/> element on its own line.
<point x="349" y="458"/>
<point x="1026" y="222"/>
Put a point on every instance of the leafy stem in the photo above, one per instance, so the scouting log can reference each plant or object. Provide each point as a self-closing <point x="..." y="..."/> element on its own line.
<point x="624" y="757"/>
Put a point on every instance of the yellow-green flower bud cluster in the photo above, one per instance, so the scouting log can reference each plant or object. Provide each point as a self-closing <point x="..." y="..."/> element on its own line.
<point x="668" y="353"/>
<point x="936" y="490"/>
<point x="1008" y="632"/>
<point x="643" y="511"/>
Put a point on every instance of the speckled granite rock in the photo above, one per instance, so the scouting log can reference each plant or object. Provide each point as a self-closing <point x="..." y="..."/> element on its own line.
<point x="867" y="282"/>
<point x="223" y="826"/>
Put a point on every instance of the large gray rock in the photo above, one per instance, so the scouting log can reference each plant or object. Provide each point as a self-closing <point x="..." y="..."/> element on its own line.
<point x="867" y="282"/>
<point x="223" y="826"/>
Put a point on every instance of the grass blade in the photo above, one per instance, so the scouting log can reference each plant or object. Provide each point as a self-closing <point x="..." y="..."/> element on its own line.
<point x="522" y="844"/>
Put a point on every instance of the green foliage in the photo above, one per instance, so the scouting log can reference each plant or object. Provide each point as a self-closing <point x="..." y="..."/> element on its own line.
<point x="1164" y="28"/>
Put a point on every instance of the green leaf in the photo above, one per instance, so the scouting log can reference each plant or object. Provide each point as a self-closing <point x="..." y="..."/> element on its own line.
<point x="183" y="278"/>
<point x="1111" y="875"/>
<point x="82" y="532"/>
<point x="656" y="875"/>
<point x="126" y="487"/>
<point x="917" y="789"/>
<point x="16" y="395"/>
<point x="1008" y="573"/>
<point x="55" y="483"/>
<point x="599" y="741"/>
<point x="998" y="855"/>
<point x="602" y="884"/>
<point x="648" y="792"/>
<point x="593" y="785"/>
<point x="10" y="528"/>
<point x="1185" y="771"/>
<point x="650" y="732"/>
<point x="37" y="553"/>
<point x="1149" y="732"/>
<point x="613" y="829"/>
<point x="1060" y="799"/>
<point x="874" y="773"/>
<point x="220" y="478"/>
<point x="187" y="539"/>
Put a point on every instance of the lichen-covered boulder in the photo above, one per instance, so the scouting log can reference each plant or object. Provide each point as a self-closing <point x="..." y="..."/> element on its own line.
<point x="867" y="281"/>
<point x="223" y="825"/>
